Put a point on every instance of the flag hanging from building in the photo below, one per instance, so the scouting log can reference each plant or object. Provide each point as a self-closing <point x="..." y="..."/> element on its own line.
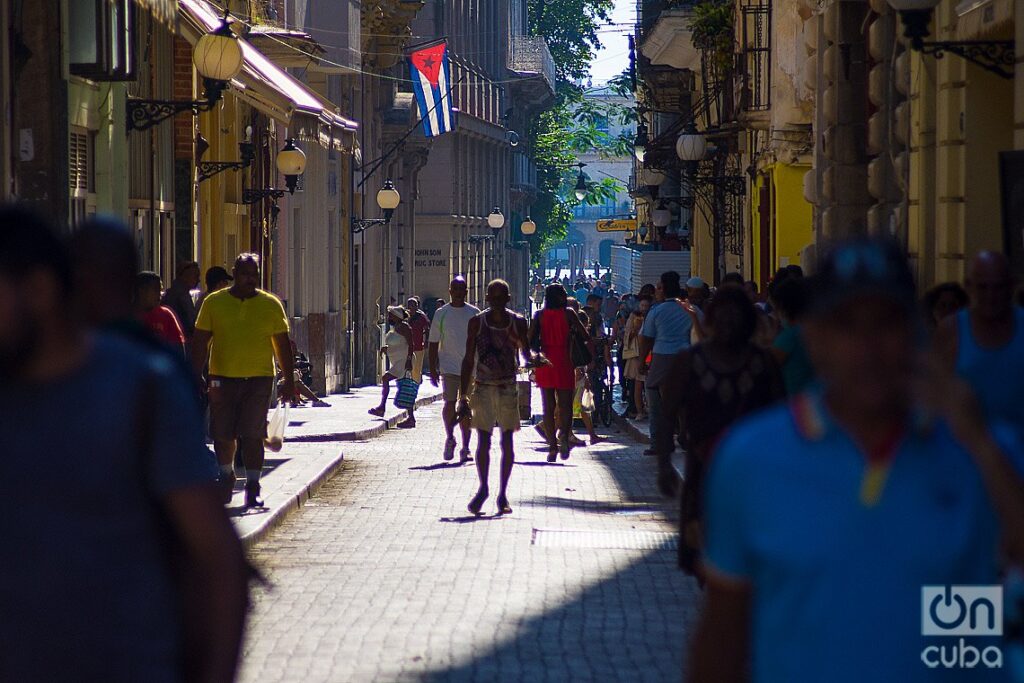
<point x="431" y="80"/>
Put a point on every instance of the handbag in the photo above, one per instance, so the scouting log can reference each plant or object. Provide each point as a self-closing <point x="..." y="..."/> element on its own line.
<point x="579" y="352"/>
<point x="408" y="389"/>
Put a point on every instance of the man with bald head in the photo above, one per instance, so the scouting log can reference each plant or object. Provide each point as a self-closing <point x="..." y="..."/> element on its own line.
<point x="985" y="342"/>
<point x="447" y="348"/>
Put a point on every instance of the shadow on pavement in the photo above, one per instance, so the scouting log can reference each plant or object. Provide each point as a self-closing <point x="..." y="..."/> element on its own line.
<point x="438" y="466"/>
<point x="631" y="626"/>
<point x="469" y="519"/>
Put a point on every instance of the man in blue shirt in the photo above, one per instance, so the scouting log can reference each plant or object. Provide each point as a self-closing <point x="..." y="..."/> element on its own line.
<point x="665" y="333"/>
<point x="827" y="517"/>
<point x="985" y="342"/>
<point x="120" y="563"/>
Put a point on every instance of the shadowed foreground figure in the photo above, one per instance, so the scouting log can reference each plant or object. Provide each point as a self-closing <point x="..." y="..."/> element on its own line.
<point x="120" y="563"/>
<point x="826" y="517"/>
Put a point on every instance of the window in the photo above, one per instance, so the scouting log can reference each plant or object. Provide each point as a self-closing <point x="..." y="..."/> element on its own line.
<point x="100" y="39"/>
<point x="81" y="174"/>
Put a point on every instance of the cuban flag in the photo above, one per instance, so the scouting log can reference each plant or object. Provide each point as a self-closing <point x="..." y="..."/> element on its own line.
<point x="431" y="80"/>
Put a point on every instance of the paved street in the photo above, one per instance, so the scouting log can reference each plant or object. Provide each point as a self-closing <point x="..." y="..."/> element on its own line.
<point x="383" y="576"/>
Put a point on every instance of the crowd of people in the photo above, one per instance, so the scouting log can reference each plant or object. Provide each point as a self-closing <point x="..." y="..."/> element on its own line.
<point x="845" y="442"/>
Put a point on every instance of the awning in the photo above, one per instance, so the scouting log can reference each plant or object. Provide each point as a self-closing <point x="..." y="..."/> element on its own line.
<point x="985" y="20"/>
<point x="165" y="11"/>
<point x="263" y="84"/>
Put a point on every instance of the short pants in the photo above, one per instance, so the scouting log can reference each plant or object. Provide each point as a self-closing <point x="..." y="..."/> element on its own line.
<point x="495" y="404"/>
<point x="453" y="387"/>
<point x="238" y="407"/>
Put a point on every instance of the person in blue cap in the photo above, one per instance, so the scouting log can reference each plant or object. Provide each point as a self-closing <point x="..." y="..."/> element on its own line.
<point x="830" y="519"/>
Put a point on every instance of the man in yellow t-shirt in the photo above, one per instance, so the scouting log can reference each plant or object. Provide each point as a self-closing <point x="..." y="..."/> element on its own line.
<point x="240" y="330"/>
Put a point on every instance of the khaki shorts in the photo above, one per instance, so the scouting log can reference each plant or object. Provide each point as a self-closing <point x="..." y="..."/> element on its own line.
<point x="452" y="385"/>
<point x="238" y="407"/>
<point x="495" y="404"/>
<point x="417" y="365"/>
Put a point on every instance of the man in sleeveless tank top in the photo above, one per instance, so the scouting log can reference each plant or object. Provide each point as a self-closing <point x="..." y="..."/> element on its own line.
<point x="494" y="339"/>
<point x="984" y="343"/>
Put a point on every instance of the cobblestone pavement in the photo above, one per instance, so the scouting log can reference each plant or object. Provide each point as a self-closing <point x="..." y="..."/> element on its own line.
<point x="383" y="576"/>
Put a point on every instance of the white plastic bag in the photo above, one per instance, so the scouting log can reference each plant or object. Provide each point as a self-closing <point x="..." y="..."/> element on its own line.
<point x="275" y="428"/>
<point x="587" y="401"/>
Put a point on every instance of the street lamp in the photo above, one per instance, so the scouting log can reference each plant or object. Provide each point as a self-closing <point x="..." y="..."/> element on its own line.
<point x="291" y="163"/>
<point x="691" y="145"/>
<point x="640" y="142"/>
<point x="496" y="220"/>
<point x="217" y="57"/>
<point x="388" y="200"/>
<point x="996" y="56"/>
<point x="581" y="184"/>
<point x="528" y="227"/>
<point x="661" y="216"/>
<point x="208" y="169"/>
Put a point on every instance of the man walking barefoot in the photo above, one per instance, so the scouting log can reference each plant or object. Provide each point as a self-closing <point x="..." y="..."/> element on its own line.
<point x="240" y="330"/>
<point x="447" y="349"/>
<point x="493" y="339"/>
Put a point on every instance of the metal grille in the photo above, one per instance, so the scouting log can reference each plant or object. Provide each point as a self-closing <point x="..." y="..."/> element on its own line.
<point x="606" y="540"/>
<point x="756" y="55"/>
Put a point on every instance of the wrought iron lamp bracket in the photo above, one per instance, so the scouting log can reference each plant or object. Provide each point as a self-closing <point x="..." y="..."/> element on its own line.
<point x="208" y="169"/>
<point x="363" y="224"/>
<point x="254" y="196"/>
<point x="142" y="114"/>
<point x="995" y="56"/>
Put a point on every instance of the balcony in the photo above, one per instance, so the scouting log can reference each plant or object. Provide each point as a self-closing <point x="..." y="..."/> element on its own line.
<point x="668" y="42"/>
<point x="524" y="178"/>
<point x="530" y="59"/>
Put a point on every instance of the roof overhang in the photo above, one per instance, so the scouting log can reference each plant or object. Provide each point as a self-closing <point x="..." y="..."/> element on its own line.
<point x="670" y="41"/>
<point x="266" y="86"/>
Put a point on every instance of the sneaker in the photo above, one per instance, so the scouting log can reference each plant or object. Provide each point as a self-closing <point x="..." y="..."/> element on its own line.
<point x="407" y="423"/>
<point x="465" y="456"/>
<point x="227" y="487"/>
<point x="449" y="449"/>
<point x="252" y="495"/>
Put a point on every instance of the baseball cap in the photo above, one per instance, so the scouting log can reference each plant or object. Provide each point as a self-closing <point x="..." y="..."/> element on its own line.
<point x="862" y="267"/>
<point x="695" y="283"/>
<point x="217" y="274"/>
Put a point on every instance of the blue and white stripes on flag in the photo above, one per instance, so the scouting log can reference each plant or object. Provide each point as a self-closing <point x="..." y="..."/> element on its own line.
<point x="431" y="80"/>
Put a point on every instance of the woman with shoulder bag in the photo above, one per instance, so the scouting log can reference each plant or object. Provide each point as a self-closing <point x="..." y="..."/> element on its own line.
<point x="551" y="333"/>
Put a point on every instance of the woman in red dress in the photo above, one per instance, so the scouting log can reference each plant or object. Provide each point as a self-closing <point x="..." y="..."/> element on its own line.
<point x="550" y="333"/>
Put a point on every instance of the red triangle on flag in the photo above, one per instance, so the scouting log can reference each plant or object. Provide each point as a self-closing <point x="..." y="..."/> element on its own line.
<point x="428" y="61"/>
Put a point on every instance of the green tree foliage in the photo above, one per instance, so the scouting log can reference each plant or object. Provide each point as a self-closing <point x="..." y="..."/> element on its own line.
<point x="570" y="29"/>
<point x="570" y="127"/>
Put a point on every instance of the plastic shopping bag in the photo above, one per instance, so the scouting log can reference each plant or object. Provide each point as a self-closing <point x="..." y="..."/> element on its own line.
<point x="587" y="401"/>
<point x="408" y="389"/>
<point x="275" y="428"/>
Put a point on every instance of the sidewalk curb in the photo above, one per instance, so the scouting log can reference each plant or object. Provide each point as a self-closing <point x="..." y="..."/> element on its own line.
<point x="281" y="505"/>
<point x="362" y="434"/>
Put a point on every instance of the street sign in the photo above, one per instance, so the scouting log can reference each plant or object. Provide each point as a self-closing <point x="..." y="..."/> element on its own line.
<point x="616" y="224"/>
